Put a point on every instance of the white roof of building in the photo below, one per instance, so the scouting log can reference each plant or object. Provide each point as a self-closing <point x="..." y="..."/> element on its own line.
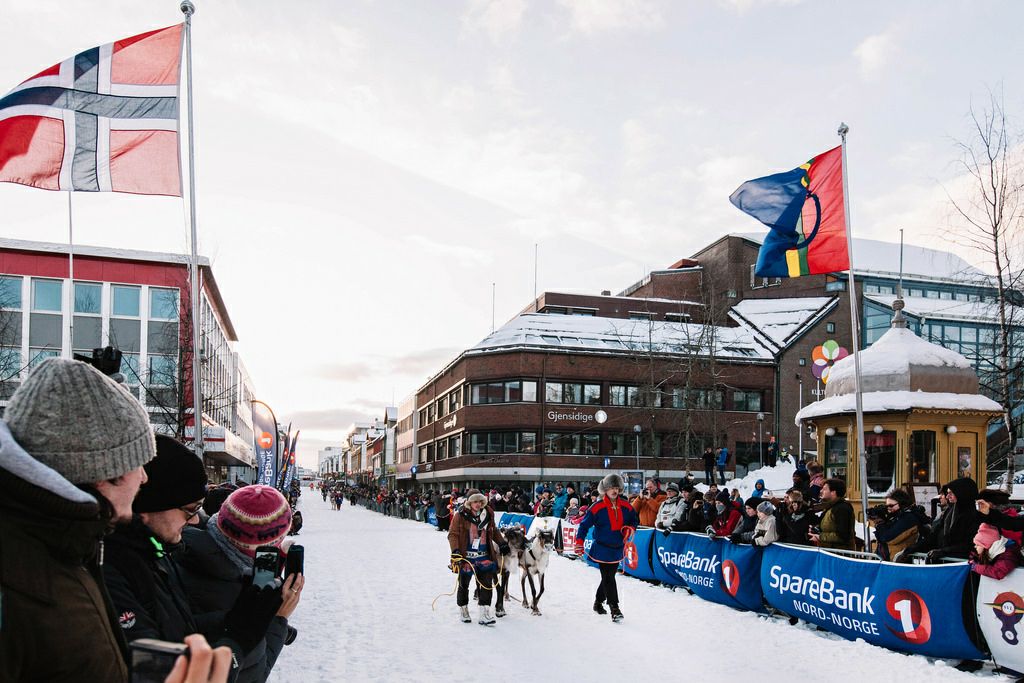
<point x="894" y="353"/>
<point x="945" y="309"/>
<point x="883" y="258"/>
<point x="618" y="335"/>
<point x="883" y="401"/>
<point x="782" y="320"/>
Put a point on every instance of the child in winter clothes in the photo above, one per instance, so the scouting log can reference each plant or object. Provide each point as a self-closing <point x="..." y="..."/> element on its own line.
<point x="744" y="532"/>
<point x="726" y="517"/>
<point x="573" y="509"/>
<point x="764" y="532"/>
<point x="994" y="556"/>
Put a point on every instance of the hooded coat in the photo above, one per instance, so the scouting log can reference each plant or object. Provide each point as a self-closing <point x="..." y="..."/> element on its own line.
<point x="793" y="526"/>
<point x="1003" y="558"/>
<point x="954" y="537"/>
<point x="57" y="622"/>
<point x="758" y="492"/>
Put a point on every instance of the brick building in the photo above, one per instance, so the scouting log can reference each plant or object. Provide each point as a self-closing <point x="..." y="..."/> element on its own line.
<point x="691" y="356"/>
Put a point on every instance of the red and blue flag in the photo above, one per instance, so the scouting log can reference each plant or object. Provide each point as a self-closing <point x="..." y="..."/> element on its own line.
<point x="105" y="120"/>
<point x="805" y="210"/>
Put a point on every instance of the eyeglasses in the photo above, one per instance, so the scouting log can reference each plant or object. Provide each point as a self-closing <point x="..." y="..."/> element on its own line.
<point x="894" y="505"/>
<point x="192" y="510"/>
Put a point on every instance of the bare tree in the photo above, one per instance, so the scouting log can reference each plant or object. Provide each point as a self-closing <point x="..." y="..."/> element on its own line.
<point x="988" y="219"/>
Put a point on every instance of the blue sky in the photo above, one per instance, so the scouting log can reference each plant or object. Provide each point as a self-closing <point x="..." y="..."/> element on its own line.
<point x="390" y="160"/>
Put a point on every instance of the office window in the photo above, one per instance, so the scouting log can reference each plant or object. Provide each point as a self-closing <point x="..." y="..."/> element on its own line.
<point x="441" y="450"/>
<point x="87" y="297"/>
<point x="163" y="304"/>
<point x="830" y="328"/>
<point x="125" y="301"/>
<point x="455" y="446"/>
<point x="623" y="395"/>
<point x="553" y="392"/>
<point x="746" y="400"/>
<point x="162" y="371"/>
<point x="46" y="295"/>
<point x="10" y="292"/>
<point x="37" y="356"/>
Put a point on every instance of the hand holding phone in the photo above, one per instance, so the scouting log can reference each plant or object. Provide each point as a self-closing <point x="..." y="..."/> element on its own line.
<point x="266" y="566"/>
<point x="295" y="560"/>
<point x="152" y="660"/>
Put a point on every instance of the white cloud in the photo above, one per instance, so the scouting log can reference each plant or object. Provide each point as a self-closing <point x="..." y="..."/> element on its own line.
<point x="599" y="16"/>
<point x="499" y="19"/>
<point x="743" y="6"/>
<point x="875" y="53"/>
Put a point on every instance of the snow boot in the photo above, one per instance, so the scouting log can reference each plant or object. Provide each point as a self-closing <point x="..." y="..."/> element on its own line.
<point x="499" y="611"/>
<point x="486" y="618"/>
<point x="464" y="614"/>
<point x="616" y="614"/>
<point x="599" y="608"/>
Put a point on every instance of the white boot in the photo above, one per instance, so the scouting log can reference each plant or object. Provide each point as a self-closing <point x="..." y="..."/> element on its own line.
<point x="464" y="614"/>
<point x="486" y="618"/>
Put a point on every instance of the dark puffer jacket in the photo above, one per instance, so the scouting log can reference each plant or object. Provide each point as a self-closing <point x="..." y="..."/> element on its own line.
<point x="213" y="583"/>
<point x="145" y="586"/>
<point x="56" y="620"/>
<point x="955" y="536"/>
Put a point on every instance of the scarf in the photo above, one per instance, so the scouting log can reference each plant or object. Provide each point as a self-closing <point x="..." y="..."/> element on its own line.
<point x="238" y="558"/>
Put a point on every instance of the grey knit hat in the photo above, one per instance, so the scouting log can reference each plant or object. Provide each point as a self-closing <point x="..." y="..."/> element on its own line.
<point x="72" y="418"/>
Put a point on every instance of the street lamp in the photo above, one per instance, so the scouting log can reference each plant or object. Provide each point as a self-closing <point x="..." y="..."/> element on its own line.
<point x="760" y="439"/>
<point x="636" y="430"/>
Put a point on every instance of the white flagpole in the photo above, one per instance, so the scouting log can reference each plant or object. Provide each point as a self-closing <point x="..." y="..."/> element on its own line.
<point x="188" y="9"/>
<point x="854" y="319"/>
<point x="71" y="282"/>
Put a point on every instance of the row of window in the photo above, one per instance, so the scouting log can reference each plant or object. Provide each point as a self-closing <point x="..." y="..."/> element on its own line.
<point x="47" y="296"/>
<point x="584" y="393"/>
<point x="563" y="443"/>
<point x="162" y="370"/>
<point x="928" y="293"/>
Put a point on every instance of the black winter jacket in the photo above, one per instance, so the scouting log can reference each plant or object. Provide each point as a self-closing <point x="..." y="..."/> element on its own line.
<point x="213" y="583"/>
<point x="144" y="585"/>
<point x="954" y="537"/>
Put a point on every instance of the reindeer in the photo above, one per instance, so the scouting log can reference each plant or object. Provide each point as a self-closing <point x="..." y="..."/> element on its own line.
<point x="515" y="536"/>
<point x="533" y="561"/>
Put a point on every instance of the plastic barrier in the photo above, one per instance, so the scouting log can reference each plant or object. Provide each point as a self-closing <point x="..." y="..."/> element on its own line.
<point x="637" y="559"/>
<point x="431" y="516"/>
<point x="715" y="569"/>
<point x="913" y="608"/>
<point x="1000" y="608"/>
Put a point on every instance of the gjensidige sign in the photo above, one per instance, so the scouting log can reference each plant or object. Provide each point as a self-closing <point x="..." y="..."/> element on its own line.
<point x="450" y="424"/>
<point x="570" y="416"/>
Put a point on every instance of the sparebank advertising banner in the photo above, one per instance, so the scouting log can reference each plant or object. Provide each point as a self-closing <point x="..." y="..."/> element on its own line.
<point x="715" y="569"/>
<point x="1000" y="610"/>
<point x="914" y="608"/>
<point x="636" y="560"/>
<point x="264" y="436"/>
<point x="506" y="520"/>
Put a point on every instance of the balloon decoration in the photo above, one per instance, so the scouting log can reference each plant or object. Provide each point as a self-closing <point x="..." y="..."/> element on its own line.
<point x="824" y="357"/>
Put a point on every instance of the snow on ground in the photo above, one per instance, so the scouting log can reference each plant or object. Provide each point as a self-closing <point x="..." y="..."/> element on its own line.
<point x="778" y="480"/>
<point x="365" y="616"/>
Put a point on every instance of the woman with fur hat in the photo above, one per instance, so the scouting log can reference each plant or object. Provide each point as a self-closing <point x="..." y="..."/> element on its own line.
<point x="613" y="520"/>
<point x="994" y="555"/>
<point x="472" y="538"/>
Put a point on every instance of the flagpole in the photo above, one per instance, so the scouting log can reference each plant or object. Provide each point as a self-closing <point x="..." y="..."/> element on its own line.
<point x="188" y="9"/>
<point x="71" y="285"/>
<point x="861" y="450"/>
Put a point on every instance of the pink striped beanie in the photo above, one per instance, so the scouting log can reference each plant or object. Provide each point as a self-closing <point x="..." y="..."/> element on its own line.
<point x="253" y="516"/>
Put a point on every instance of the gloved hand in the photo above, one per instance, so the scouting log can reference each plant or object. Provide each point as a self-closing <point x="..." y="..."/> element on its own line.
<point x="504" y="549"/>
<point x="710" y="530"/>
<point x="248" y="620"/>
<point x="933" y="556"/>
<point x="579" y="549"/>
<point x="736" y="538"/>
<point x="454" y="562"/>
<point x="666" y="532"/>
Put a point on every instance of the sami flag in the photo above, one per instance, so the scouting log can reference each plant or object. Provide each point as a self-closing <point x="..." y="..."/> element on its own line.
<point x="105" y="120"/>
<point x="805" y="211"/>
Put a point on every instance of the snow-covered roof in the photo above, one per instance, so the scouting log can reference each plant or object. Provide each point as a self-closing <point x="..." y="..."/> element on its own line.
<point x="782" y="320"/>
<point x="883" y="258"/>
<point x="618" y="335"/>
<point x="897" y="401"/>
<point x="893" y="354"/>
<point x="944" y="309"/>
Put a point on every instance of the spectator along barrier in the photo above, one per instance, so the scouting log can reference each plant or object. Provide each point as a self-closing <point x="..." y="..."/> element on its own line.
<point x="929" y="610"/>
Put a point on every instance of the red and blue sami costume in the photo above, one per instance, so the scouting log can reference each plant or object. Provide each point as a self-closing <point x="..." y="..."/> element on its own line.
<point x="611" y="523"/>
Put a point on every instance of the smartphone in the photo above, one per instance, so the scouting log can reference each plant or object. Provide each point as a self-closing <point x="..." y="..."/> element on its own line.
<point x="152" y="659"/>
<point x="266" y="566"/>
<point x="294" y="563"/>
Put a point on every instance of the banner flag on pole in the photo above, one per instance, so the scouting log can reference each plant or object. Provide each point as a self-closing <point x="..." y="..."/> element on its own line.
<point x="264" y="431"/>
<point x="105" y="120"/>
<point x="290" y="463"/>
<point x="805" y="210"/>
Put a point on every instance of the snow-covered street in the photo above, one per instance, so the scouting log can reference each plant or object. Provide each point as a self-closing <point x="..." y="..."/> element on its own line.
<point x="366" y="616"/>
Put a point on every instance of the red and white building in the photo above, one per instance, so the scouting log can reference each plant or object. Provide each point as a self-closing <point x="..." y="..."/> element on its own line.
<point x="139" y="303"/>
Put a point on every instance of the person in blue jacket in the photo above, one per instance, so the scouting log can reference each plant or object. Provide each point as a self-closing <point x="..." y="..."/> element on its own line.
<point x="723" y="462"/>
<point x="759" y="489"/>
<point x="561" y="501"/>
<point x="613" y="519"/>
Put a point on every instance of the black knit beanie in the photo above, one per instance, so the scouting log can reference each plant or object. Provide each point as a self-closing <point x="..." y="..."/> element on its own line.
<point x="177" y="477"/>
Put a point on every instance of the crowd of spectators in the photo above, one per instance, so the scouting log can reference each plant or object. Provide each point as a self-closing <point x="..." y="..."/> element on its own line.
<point x="109" y="535"/>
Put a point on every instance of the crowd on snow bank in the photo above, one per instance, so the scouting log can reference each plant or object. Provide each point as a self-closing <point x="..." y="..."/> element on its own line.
<point x="109" y="534"/>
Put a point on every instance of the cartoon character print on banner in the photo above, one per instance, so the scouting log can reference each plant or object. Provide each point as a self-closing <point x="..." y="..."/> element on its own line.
<point x="1008" y="608"/>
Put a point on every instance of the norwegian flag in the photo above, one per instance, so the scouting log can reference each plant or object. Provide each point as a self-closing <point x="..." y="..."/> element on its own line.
<point x="105" y="120"/>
